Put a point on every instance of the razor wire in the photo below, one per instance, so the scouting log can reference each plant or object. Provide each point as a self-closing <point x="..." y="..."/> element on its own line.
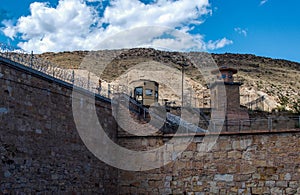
<point x="29" y="60"/>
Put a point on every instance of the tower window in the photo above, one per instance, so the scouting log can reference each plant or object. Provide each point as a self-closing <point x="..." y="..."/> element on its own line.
<point x="149" y="92"/>
<point x="138" y="94"/>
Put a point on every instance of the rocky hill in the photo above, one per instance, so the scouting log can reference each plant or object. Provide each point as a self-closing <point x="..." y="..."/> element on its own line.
<point x="276" y="80"/>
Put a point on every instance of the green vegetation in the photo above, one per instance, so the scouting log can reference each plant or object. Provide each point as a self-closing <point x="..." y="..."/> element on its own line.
<point x="296" y="105"/>
<point x="283" y="100"/>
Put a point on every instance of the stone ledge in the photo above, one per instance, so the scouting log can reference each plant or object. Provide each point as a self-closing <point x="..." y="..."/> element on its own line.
<point x="253" y="132"/>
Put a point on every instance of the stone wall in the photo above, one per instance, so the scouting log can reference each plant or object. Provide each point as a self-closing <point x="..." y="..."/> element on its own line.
<point x="237" y="164"/>
<point x="40" y="148"/>
<point x="42" y="152"/>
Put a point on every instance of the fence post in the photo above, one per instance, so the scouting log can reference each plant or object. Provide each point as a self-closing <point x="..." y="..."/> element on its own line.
<point x="88" y="84"/>
<point x="214" y="126"/>
<point x="108" y="90"/>
<point x="240" y="125"/>
<point x="270" y="124"/>
<point x="73" y="77"/>
<point x="31" y="60"/>
<point x="299" y="121"/>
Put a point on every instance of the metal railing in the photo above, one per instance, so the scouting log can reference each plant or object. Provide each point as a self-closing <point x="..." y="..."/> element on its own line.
<point x="271" y="124"/>
<point x="259" y="103"/>
<point x="44" y="66"/>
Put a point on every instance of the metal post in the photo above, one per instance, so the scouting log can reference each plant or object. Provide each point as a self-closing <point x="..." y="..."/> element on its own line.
<point x="248" y="101"/>
<point x="88" y="84"/>
<point x="214" y="126"/>
<point x="263" y="104"/>
<point x="226" y="120"/>
<point x="31" y="60"/>
<point x="270" y="124"/>
<point x="241" y="124"/>
<point x="182" y="80"/>
<point x="73" y="77"/>
<point x="190" y="97"/>
<point x="203" y="98"/>
<point x="250" y="105"/>
<point x="299" y="122"/>
<point x="108" y="90"/>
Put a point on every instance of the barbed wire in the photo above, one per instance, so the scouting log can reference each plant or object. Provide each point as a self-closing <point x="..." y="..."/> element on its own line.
<point x="29" y="60"/>
<point x="67" y="75"/>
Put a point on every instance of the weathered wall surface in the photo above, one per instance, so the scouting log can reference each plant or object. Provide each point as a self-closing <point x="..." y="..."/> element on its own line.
<point x="41" y="151"/>
<point x="237" y="164"/>
<point x="40" y="148"/>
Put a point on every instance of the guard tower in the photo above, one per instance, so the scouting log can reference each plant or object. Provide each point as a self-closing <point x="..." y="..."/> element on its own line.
<point x="145" y="91"/>
<point x="225" y="94"/>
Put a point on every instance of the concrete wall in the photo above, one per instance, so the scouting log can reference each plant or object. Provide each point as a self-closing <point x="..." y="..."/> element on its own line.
<point x="40" y="148"/>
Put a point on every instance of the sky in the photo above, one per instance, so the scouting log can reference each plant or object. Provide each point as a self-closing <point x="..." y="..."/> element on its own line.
<point x="269" y="28"/>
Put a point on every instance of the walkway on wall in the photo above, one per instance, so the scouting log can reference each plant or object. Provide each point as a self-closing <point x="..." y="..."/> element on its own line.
<point x="45" y="70"/>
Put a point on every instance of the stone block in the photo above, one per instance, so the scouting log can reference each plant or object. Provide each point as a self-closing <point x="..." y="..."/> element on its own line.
<point x="281" y="184"/>
<point x="234" y="154"/>
<point x="224" y="145"/>
<point x="287" y="177"/>
<point x="187" y="154"/>
<point x="199" y="193"/>
<point x="243" y="177"/>
<point x="290" y="191"/>
<point x="256" y="176"/>
<point x="260" y="163"/>
<point x="247" y="169"/>
<point x="257" y="190"/>
<point x="276" y="190"/>
<point x="294" y="184"/>
<point x="245" y="143"/>
<point x="225" y="177"/>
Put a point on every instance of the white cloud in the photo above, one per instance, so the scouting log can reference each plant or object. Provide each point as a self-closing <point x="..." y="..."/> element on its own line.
<point x="241" y="31"/>
<point x="77" y="25"/>
<point x="262" y="2"/>
<point x="212" y="45"/>
<point x="9" y="31"/>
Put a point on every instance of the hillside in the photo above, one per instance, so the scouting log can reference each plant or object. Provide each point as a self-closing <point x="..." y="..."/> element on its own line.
<point x="276" y="80"/>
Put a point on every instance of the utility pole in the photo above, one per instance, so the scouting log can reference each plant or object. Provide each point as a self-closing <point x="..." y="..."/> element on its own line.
<point x="182" y="82"/>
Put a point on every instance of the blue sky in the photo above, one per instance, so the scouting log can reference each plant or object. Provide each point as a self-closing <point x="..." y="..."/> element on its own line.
<point x="262" y="27"/>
